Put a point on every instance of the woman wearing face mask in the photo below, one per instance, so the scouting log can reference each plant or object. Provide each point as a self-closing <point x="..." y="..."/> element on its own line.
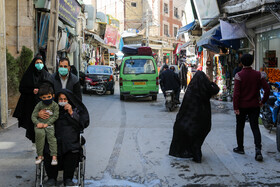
<point x="35" y="75"/>
<point x="73" y="118"/>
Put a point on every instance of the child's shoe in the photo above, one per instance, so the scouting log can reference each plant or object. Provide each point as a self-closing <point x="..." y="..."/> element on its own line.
<point x="54" y="162"/>
<point x="39" y="160"/>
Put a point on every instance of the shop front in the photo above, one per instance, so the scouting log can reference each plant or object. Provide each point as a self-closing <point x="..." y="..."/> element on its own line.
<point x="268" y="53"/>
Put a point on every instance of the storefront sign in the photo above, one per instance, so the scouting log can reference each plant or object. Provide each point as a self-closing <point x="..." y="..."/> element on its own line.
<point x="69" y="11"/>
<point x="111" y="36"/>
<point x="206" y="10"/>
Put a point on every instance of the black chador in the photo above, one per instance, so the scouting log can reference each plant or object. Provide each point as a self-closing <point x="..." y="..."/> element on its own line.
<point x="31" y="79"/>
<point x="193" y="121"/>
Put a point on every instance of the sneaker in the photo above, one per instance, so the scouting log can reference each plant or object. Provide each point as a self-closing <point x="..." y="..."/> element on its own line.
<point x="238" y="150"/>
<point x="39" y="160"/>
<point x="50" y="182"/>
<point x="259" y="156"/>
<point x="69" y="182"/>
<point x="54" y="162"/>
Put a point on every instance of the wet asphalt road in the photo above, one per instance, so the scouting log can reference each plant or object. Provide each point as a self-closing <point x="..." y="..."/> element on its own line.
<point x="128" y="144"/>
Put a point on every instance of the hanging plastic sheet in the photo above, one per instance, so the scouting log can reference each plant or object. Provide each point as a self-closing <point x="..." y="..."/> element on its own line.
<point x="43" y="30"/>
<point x="212" y="40"/>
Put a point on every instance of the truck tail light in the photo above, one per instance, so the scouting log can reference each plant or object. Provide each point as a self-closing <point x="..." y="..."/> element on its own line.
<point x="157" y="81"/>
<point x="121" y="82"/>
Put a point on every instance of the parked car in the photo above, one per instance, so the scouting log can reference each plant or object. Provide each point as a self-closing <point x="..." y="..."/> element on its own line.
<point x="98" y="79"/>
<point x="139" y="76"/>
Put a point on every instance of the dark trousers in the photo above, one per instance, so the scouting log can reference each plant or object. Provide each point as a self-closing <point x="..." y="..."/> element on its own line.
<point x="253" y="114"/>
<point x="68" y="162"/>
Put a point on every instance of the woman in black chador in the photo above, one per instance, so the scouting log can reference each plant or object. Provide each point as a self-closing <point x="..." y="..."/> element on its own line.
<point x="193" y="121"/>
<point x="35" y="75"/>
<point x="73" y="118"/>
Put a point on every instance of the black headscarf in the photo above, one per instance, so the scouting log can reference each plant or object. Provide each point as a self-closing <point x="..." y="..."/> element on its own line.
<point x="75" y="102"/>
<point x="33" y="77"/>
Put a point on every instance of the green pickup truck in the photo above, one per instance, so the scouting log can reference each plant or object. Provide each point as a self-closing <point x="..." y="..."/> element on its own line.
<point x="138" y="77"/>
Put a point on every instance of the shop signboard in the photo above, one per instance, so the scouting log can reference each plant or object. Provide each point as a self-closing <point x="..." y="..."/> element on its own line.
<point x="111" y="36"/>
<point x="206" y="10"/>
<point x="69" y="11"/>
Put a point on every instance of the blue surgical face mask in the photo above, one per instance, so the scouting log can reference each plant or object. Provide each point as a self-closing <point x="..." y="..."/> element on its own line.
<point x="62" y="103"/>
<point x="48" y="101"/>
<point x="39" y="66"/>
<point x="63" y="71"/>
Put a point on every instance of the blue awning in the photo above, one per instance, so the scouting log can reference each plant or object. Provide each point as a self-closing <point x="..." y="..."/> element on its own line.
<point x="212" y="40"/>
<point x="186" y="28"/>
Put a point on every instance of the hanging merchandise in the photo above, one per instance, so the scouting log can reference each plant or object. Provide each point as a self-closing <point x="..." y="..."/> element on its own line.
<point x="73" y="46"/>
<point x="62" y="41"/>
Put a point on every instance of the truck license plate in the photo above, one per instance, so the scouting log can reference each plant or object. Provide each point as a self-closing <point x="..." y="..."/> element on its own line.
<point x="139" y="83"/>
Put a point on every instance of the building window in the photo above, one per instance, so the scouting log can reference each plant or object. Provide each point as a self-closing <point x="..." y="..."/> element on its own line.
<point x="183" y="36"/>
<point x="133" y="4"/>
<point x="165" y="8"/>
<point x="166" y="30"/>
<point x="175" y="31"/>
<point x="176" y="15"/>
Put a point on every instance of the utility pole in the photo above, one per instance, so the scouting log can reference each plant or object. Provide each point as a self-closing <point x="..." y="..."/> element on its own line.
<point x="52" y="36"/>
<point x="3" y="68"/>
<point x="147" y="27"/>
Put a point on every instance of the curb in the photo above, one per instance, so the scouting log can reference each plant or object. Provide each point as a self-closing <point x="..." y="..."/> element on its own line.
<point x="11" y="122"/>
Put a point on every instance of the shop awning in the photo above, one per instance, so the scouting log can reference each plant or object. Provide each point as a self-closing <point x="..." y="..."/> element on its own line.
<point x="185" y="45"/>
<point x="96" y="37"/>
<point x="186" y="28"/>
<point x="212" y="40"/>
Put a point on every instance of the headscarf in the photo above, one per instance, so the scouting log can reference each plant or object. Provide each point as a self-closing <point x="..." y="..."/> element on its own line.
<point x="199" y="85"/>
<point x="75" y="102"/>
<point x="33" y="77"/>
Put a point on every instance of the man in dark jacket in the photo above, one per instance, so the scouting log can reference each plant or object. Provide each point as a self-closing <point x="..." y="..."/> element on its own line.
<point x="170" y="81"/>
<point x="64" y="79"/>
<point x="246" y="101"/>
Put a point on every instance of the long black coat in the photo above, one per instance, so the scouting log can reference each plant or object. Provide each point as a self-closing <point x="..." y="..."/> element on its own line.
<point x="169" y="80"/>
<point x="67" y="128"/>
<point x="193" y="121"/>
<point x="31" y="79"/>
<point x="183" y="76"/>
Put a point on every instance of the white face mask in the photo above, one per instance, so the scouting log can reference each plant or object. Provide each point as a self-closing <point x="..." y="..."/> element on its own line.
<point x="62" y="103"/>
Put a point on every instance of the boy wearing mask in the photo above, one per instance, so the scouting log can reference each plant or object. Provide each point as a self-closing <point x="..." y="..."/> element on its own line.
<point x="45" y="127"/>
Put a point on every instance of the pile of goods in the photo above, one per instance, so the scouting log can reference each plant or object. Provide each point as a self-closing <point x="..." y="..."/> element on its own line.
<point x="273" y="75"/>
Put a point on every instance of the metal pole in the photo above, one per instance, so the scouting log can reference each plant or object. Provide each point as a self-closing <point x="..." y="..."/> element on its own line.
<point x="147" y="27"/>
<point x="3" y="68"/>
<point x="52" y="36"/>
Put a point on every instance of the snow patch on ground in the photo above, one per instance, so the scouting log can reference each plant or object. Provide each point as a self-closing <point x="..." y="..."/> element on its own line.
<point x="109" y="181"/>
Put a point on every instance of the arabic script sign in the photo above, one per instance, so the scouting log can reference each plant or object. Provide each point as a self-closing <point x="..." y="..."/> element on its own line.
<point x="69" y="11"/>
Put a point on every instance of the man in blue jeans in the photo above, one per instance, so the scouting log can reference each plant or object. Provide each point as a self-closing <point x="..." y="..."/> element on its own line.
<point x="246" y="101"/>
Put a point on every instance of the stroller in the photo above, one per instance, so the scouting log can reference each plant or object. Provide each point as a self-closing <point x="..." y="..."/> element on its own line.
<point x="79" y="174"/>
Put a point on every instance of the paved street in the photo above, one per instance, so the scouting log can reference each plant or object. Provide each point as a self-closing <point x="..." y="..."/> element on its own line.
<point x="128" y="144"/>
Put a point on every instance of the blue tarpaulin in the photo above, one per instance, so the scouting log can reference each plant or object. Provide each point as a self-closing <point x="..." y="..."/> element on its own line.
<point x="186" y="28"/>
<point x="212" y="40"/>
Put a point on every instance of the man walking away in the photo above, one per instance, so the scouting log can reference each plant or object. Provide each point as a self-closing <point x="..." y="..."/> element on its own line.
<point x="170" y="81"/>
<point x="246" y="101"/>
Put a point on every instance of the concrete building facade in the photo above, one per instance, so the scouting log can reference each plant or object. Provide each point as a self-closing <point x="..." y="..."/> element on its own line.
<point x="20" y="20"/>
